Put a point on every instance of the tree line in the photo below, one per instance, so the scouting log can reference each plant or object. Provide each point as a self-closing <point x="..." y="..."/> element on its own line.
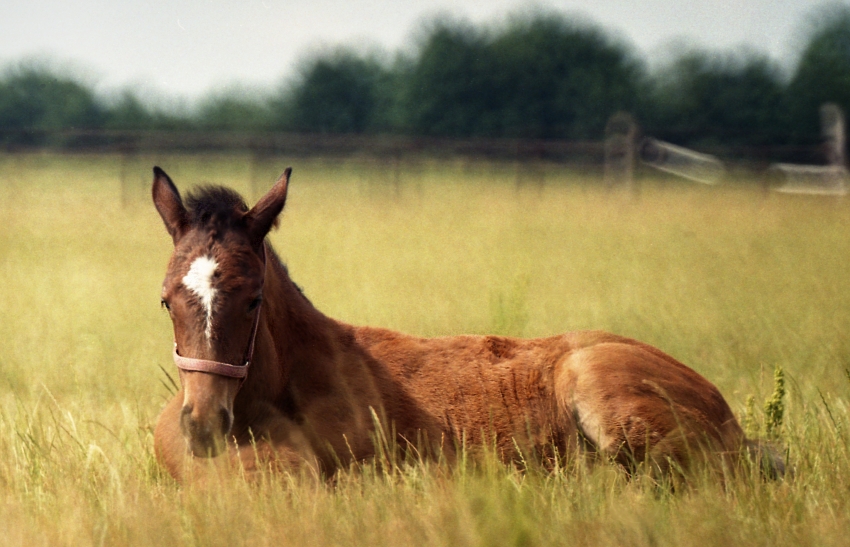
<point x="537" y="76"/>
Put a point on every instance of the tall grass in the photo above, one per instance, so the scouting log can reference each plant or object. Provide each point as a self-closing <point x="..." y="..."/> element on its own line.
<point x="732" y="282"/>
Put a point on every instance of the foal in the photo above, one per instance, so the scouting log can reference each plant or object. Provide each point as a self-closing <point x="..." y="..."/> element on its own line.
<point x="268" y="381"/>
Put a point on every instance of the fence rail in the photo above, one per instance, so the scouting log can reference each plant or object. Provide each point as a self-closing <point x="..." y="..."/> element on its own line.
<point x="286" y="143"/>
<point x="380" y="146"/>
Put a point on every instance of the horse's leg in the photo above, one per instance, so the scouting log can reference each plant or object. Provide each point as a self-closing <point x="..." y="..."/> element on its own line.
<point x="251" y="457"/>
<point x="276" y="443"/>
<point x="169" y="444"/>
<point x="265" y="456"/>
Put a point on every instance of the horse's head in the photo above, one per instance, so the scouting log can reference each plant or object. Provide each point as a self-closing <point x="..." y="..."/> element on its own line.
<point x="213" y="290"/>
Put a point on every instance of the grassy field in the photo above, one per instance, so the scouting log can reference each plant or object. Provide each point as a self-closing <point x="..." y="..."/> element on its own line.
<point x="729" y="280"/>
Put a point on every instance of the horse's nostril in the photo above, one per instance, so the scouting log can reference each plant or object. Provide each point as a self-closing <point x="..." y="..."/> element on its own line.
<point x="186" y="419"/>
<point x="226" y="421"/>
<point x="205" y="432"/>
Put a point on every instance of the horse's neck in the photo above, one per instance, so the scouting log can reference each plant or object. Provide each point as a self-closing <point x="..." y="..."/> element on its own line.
<point x="297" y="331"/>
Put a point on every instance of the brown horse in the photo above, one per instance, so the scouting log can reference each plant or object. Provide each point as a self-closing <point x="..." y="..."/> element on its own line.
<point x="268" y="381"/>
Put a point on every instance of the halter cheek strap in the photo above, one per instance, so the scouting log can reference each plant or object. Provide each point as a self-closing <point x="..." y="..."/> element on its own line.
<point x="217" y="367"/>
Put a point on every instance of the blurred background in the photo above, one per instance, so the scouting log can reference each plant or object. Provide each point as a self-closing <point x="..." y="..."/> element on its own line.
<point x="744" y="82"/>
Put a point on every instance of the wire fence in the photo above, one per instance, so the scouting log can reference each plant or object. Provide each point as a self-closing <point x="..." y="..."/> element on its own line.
<point x="614" y="161"/>
<point x="379" y="146"/>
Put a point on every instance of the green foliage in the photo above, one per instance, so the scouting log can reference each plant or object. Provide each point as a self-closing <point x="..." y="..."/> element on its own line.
<point x="561" y="78"/>
<point x="731" y="99"/>
<point x="537" y="75"/>
<point x="823" y="72"/>
<point x="334" y="93"/>
<point x="748" y="420"/>
<point x="448" y="89"/>
<point x="774" y="407"/>
<point x="34" y="96"/>
<point x="128" y="112"/>
<point x="233" y="110"/>
<point x="773" y="410"/>
<point x="542" y="76"/>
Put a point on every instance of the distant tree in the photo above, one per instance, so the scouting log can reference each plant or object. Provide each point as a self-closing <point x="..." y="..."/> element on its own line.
<point x="233" y="109"/>
<point x="561" y="78"/>
<point x="823" y="72"/>
<point x="704" y="97"/>
<point x="540" y="76"/>
<point x="128" y="112"/>
<point x="449" y="86"/>
<point x="334" y="93"/>
<point x="35" y="97"/>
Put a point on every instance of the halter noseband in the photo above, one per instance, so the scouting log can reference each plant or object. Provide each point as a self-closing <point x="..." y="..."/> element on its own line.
<point x="217" y="367"/>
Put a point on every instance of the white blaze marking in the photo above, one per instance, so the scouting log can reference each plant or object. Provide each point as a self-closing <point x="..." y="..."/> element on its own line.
<point x="199" y="281"/>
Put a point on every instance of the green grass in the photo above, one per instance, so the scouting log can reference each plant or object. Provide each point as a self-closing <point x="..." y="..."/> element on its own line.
<point x="730" y="281"/>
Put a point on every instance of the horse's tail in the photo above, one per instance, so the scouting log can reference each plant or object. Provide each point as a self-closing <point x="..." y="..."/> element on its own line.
<point x="767" y="456"/>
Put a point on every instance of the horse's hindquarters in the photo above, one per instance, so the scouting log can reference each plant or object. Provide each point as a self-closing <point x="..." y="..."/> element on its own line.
<point x="634" y="403"/>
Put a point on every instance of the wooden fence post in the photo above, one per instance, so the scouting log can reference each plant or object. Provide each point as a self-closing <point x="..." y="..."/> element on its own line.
<point x="832" y="129"/>
<point x="620" y="137"/>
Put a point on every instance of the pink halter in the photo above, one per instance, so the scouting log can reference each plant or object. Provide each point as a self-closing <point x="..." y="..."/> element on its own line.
<point x="217" y="367"/>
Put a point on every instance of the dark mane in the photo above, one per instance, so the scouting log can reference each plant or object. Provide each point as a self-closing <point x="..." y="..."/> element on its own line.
<point x="214" y="205"/>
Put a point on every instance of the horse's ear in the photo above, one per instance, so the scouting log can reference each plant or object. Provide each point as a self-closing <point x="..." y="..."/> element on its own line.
<point x="263" y="215"/>
<point x="168" y="203"/>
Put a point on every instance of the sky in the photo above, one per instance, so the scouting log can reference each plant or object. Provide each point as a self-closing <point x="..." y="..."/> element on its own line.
<point x="188" y="48"/>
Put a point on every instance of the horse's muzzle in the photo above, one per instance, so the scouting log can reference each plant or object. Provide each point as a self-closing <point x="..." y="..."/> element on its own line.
<point x="206" y="436"/>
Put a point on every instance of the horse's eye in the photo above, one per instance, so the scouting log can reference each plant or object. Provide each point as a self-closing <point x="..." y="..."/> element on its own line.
<point x="164" y="304"/>
<point x="254" y="303"/>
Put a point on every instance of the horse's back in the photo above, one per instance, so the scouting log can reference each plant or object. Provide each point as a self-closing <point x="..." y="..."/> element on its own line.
<point x="622" y="397"/>
<point x="491" y="390"/>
